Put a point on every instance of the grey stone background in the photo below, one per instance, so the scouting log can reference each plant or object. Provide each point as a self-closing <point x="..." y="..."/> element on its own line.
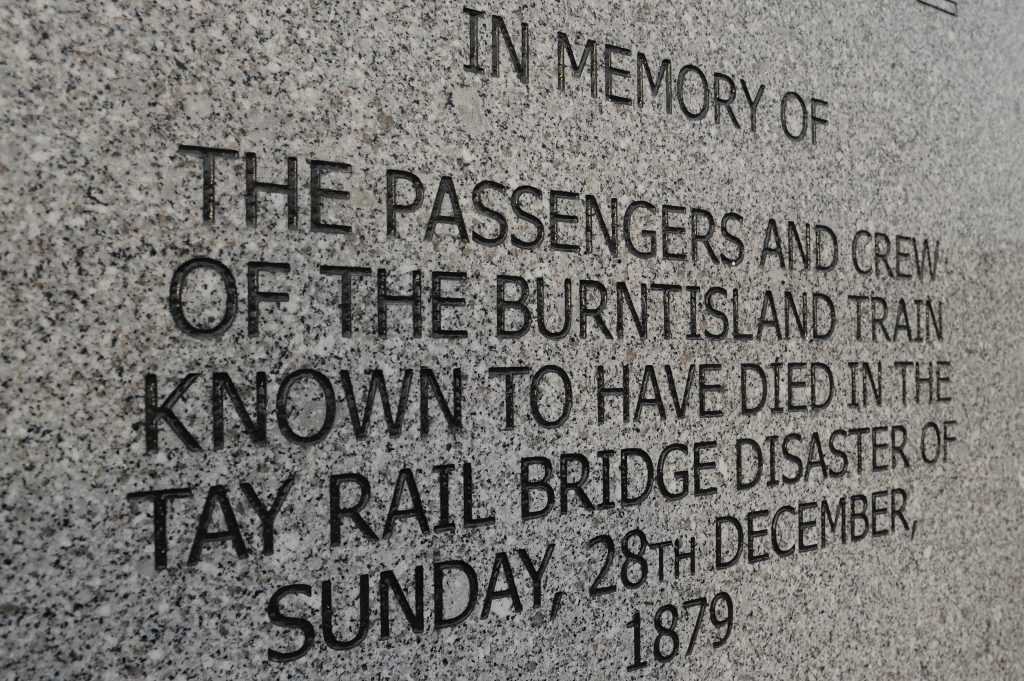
<point x="98" y="209"/>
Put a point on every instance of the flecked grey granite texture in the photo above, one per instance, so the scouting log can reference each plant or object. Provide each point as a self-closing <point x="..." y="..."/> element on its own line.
<point x="99" y="208"/>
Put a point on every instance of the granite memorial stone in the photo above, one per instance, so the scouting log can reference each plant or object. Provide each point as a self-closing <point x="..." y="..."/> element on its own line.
<point x="548" y="340"/>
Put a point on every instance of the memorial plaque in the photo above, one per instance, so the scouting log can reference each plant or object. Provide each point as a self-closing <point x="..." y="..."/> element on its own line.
<point x="542" y="340"/>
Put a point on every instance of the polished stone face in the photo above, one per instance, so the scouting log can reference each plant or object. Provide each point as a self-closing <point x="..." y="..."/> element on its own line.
<point x="545" y="340"/>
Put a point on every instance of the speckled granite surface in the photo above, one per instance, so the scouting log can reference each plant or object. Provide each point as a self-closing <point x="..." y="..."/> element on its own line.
<point x="100" y="205"/>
